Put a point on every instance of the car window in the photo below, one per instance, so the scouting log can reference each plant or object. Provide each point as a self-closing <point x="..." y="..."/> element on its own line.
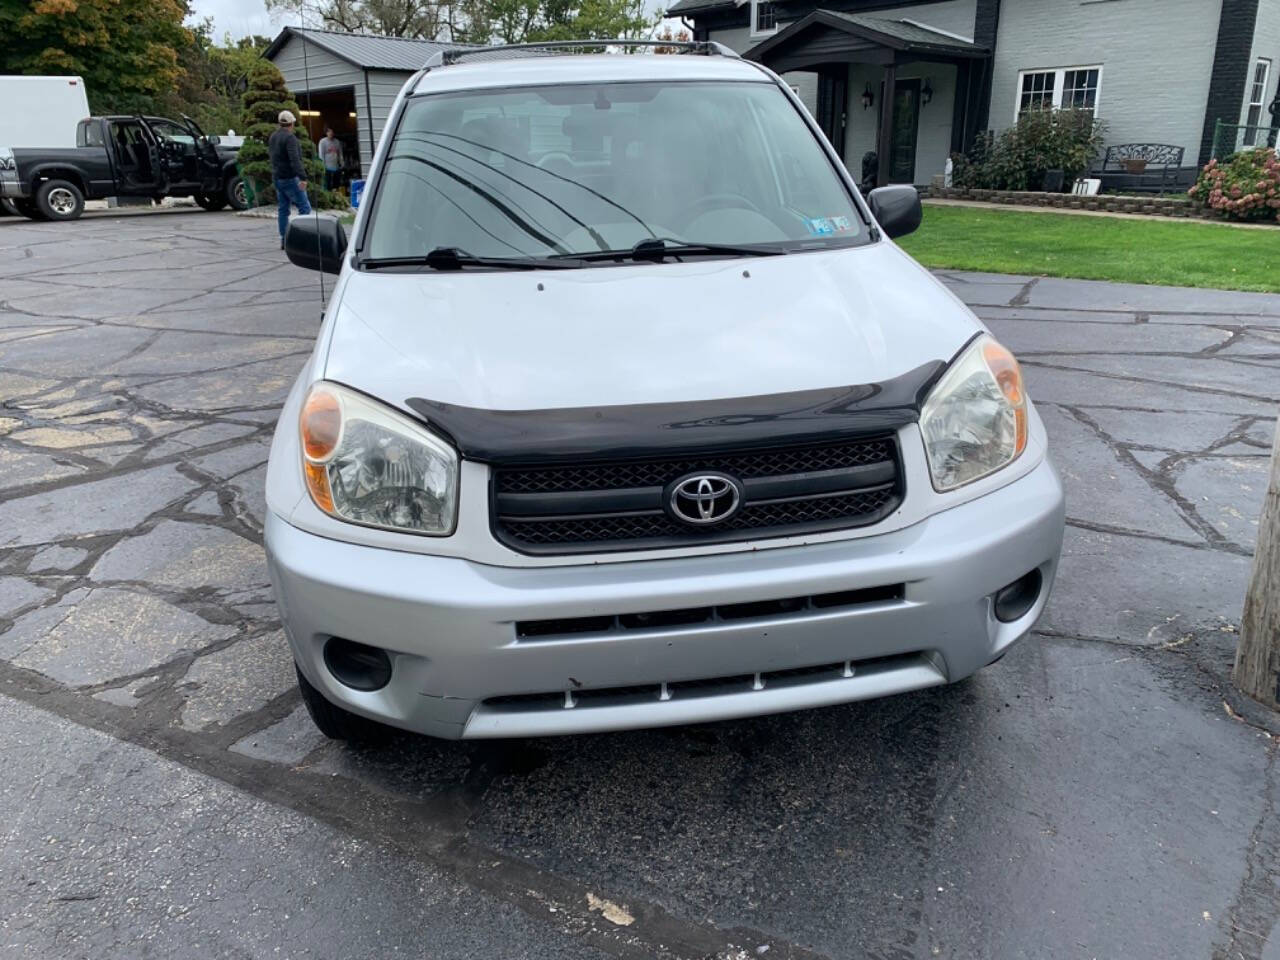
<point x="90" y="134"/>
<point x="167" y="130"/>
<point x="585" y="167"/>
<point x="128" y="133"/>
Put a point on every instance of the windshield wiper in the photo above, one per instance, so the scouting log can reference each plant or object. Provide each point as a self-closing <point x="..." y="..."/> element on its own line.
<point x="657" y="249"/>
<point x="451" y="258"/>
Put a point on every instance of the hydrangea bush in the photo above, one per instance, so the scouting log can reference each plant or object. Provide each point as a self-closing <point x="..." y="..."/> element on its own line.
<point x="1245" y="186"/>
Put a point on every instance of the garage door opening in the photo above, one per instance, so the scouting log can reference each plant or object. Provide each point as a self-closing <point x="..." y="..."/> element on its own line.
<point x="337" y="109"/>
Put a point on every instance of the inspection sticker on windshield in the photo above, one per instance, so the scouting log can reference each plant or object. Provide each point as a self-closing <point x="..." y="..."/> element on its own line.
<point x="825" y="226"/>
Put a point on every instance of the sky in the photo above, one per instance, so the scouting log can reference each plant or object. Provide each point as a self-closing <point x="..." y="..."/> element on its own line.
<point x="239" y="17"/>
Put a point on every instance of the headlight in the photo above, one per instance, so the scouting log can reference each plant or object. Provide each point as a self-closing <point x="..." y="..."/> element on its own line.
<point x="365" y="463"/>
<point x="975" y="420"/>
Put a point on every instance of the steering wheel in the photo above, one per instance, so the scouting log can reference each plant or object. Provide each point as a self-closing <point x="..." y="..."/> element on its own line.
<point x="557" y="157"/>
<point x="718" y="201"/>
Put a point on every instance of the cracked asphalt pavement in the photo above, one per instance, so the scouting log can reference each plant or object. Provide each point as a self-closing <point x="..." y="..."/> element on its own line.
<point x="1101" y="792"/>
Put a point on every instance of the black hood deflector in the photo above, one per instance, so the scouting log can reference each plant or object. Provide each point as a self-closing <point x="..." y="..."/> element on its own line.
<point x="646" y="430"/>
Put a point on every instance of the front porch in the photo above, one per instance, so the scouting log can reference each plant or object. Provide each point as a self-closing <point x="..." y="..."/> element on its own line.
<point x="907" y="92"/>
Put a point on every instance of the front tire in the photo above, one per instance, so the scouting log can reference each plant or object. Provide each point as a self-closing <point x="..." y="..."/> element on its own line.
<point x="237" y="193"/>
<point x="336" y="723"/>
<point x="59" y="200"/>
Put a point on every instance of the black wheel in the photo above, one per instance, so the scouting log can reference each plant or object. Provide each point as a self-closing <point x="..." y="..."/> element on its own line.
<point x="336" y="723"/>
<point x="209" y="203"/>
<point x="27" y="207"/>
<point x="237" y="193"/>
<point x="59" y="200"/>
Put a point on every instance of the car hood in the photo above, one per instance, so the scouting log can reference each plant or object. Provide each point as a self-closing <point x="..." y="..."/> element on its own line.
<point x="643" y="333"/>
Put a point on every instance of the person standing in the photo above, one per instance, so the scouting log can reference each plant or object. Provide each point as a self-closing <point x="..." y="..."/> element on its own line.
<point x="287" y="171"/>
<point x="330" y="149"/>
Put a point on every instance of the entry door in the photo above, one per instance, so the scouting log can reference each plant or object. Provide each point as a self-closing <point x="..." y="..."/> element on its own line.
<point x="906" y="125"/>
<point x="833" y="104"/>
<point x="138" y="164"/>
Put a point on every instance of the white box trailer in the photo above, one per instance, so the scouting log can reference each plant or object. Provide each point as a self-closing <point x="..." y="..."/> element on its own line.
<point x="41" y="111"/>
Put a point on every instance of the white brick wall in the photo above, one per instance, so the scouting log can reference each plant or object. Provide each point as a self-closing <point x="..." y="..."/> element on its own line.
<point x="1156" y="56"/>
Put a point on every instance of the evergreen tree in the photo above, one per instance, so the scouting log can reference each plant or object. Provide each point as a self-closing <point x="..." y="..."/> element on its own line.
<point x="266" y="97"/>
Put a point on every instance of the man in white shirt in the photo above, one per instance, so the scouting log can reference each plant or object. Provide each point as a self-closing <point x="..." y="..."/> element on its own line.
<point x="330" y="149"/>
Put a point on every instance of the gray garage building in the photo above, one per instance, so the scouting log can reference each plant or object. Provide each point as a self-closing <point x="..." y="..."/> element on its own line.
<point x="347" y="81"/>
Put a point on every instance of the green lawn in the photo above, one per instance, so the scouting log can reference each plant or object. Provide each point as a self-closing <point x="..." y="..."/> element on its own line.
<point x="1174" y="253"/>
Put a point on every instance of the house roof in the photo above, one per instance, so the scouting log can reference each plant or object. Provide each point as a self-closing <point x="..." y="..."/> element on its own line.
<point x="910" y="33"/>
<point x="364" y="50"/>
<point x="901" y="36"/>
<point x="686" y="7"/>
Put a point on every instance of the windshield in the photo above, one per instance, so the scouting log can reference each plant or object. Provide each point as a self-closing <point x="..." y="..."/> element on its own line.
<point x="582" y="168"/>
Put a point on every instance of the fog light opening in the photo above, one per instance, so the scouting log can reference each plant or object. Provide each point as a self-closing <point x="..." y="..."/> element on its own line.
<point x="357" y="665"/>
<point x="1013" y="601"/>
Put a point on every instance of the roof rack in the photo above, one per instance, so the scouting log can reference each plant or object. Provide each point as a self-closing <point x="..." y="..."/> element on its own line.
<point x="515" y="51"/>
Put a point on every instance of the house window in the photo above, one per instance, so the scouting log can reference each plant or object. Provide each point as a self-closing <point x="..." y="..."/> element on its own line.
<point x="764" y="17"/>
<point x="1257" y="93"/>
<point x="1080" y="89"/>
<point x="1067" y="88"/>
<point x="1038" y="90"/>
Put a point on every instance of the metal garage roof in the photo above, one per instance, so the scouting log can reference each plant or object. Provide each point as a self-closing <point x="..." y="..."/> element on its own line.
<point x="364" y="50"/>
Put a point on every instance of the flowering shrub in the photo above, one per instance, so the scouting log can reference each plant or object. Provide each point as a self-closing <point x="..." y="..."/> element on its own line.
<point x="1245" y="186"/>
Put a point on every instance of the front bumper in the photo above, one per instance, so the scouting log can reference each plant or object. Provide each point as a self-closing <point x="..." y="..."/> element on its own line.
<point x="449" y="624"/>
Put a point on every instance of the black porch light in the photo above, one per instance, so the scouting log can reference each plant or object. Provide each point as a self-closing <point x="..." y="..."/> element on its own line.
<point x="868" y="98"/>
<point x="926" y="94"/>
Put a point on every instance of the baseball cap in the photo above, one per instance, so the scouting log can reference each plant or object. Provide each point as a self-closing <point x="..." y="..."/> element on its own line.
<point x="287" y="117"/>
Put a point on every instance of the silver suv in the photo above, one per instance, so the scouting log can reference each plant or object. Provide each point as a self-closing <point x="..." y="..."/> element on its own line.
<point x="627" y="411"/>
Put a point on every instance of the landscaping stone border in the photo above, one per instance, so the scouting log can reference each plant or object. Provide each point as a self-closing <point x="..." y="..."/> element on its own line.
<point x="1102" y="203"/>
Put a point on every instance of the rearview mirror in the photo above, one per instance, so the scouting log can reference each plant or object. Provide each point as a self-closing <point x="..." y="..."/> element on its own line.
<point x="897" y="209"/>
<point x="316" y="242"/>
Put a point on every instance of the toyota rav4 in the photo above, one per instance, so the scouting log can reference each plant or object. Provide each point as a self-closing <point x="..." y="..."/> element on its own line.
<point x="626" y="411"/>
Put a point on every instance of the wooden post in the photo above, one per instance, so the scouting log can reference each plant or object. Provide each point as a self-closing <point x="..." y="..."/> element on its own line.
<point x="884" y="144"/>
<point x="1257" y="671"/>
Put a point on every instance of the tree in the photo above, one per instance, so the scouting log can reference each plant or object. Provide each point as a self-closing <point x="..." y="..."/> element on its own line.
<point x="416" y="19"/>
<point x="669" y="35"/>
<point x="213" y="80"/>
<point x="266" y="97"/>
<point x="1257" y="670"/>
<point x="127" y="51"/>
<point x="479" y="21"/>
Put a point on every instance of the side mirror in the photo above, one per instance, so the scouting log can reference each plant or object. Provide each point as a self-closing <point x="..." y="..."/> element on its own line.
<point x="897" y="209"/>
<point x="316" y="242"/>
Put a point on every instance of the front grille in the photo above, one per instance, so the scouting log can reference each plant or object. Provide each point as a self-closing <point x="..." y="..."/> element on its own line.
<point x="656" y="473"/>
<point x="620" y="505"/>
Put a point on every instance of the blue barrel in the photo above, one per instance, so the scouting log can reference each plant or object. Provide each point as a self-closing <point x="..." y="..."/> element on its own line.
<point x="357" y="188"/>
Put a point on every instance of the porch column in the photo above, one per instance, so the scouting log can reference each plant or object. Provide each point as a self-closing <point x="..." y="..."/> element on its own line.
<point x="885" y="139"/>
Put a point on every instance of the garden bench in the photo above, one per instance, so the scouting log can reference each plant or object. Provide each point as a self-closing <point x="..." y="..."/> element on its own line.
<point x="1154" y="167"/>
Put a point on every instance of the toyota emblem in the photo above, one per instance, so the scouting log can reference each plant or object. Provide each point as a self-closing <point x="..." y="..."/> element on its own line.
<point x="702" y="499"/>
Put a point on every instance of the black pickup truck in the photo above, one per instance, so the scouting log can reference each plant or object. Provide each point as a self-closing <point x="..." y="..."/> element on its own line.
<point x="121" y="157"/>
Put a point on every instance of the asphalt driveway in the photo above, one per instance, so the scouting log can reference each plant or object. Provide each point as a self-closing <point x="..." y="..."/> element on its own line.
<point x="1098" y="793"/>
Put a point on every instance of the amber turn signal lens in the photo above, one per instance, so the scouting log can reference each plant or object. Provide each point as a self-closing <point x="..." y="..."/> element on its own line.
<point x="321" y="429"/>
<point x="1004" y="367"/>
<point x="321" y="425"/>
<point x="318" y="485"/>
